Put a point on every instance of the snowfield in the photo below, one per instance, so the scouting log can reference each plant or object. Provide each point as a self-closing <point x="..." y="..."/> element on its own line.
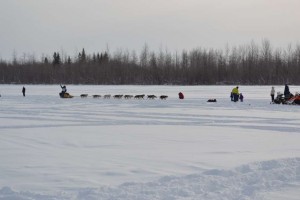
<point x="118" y="149"/>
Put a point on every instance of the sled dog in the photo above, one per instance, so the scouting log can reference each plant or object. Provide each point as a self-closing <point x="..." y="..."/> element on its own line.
<point x="140" y="96"/>
<point x="128" y="96"/>
<point x="118" y="96"/>
<point x="163" y="97"/>
<point x="151" y="97"/>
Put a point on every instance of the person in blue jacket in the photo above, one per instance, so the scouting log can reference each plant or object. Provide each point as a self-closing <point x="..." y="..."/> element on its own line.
<point x="241" y="97"/>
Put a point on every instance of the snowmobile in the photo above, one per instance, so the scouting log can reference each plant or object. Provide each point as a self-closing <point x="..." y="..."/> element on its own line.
<point x="65" y="95"/>
<point x="294" y="99"/>
<point x="280" y="99"/>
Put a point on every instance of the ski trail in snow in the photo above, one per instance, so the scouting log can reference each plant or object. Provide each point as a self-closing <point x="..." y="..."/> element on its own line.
<point x="250" y="181"/>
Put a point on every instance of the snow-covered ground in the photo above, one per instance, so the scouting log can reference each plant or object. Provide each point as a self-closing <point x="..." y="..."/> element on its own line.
<point x="52" y="148"/>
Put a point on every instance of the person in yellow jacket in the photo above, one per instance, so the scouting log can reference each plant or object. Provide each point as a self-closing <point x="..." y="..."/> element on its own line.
<point x="235" y="93"/>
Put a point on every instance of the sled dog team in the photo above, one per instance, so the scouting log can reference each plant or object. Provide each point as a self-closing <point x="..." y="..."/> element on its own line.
<point x="120" y="96"/>
<point x="64" y="94"/>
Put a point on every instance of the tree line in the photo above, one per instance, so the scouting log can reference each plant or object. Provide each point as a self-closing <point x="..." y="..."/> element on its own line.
<point x="246" y="64"/>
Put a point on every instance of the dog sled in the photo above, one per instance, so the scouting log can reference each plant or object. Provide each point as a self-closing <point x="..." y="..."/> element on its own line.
<point x="65" y="95"/>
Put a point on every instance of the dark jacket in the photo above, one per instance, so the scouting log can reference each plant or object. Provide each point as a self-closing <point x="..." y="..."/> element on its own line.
<point x="286" y="90"/>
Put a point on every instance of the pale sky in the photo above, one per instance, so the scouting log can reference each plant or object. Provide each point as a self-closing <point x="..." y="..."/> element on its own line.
<point x="44" y="26"/>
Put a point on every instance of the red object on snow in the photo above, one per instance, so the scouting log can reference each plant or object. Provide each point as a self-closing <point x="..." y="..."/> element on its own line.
<point x="180" y="95"/>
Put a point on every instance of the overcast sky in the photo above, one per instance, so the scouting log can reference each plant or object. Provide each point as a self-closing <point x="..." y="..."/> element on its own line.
<point x="45" y="26"/>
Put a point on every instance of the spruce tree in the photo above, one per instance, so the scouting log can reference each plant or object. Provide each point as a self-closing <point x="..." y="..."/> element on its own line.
<point x="56" y="59"/>
<point x="83" y="55"/>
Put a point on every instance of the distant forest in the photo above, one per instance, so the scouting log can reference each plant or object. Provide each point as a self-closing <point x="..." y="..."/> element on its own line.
<point x="247" y="64"/>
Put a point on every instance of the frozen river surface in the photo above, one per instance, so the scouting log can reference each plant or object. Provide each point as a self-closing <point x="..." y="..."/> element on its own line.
<point x="86" y="148"/>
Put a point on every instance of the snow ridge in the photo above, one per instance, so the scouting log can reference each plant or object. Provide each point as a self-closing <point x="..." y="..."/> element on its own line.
<point x="249" y="181"/>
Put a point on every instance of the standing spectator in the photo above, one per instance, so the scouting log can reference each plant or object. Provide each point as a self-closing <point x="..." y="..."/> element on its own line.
<point x="287" y="93"/>
<point x="231" y="96"/>
<point x="272" y="94"/>
<point x="235" y="93"/>
<point x="23" y="91"/>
